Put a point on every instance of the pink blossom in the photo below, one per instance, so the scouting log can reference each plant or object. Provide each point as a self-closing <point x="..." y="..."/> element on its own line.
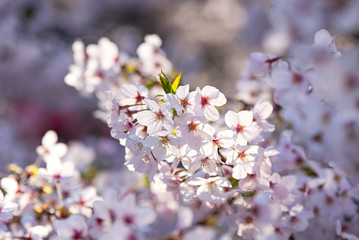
<point x="211" y="189"/>
<point x="57" y="171"/>
<point x="242" y="125"/>
<point x="206" y="100"/>
<point x="50" y="148"/>
<point x="155" y="118"/>
<point x="6" y="208"/>
<point x="73" y="227"/>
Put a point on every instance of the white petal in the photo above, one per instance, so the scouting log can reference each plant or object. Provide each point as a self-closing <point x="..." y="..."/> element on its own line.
<point x="60" y="150"/>
<point x="264" y="109"/>
<point x="182" y="91"/>
<point x="63" y="228"/>
<point x="153" y="105"/>
<point x="154" y="40"/>
<point x="101" y="210"/>
<point x="241" y="140"/>
<point x="129" y="201"/>
<point x="67" y="169"/>
<point x="222" y="182"/>
<point x="204" y="194"/>
<point x="231" y="119"/>
<point x="226" y="138"/>
<point x="197" y="181"/>
<point x="49" y="139"/>
<point x="238" y="172"/>
<point x="144" y="215"/>
<point x="194" y="166"/>
<point x="210" y="168"/>
<point x="245" y="117"/>
<point x="145" y="118"/>
<point x="53" y="166"/>
<point x="210" y="91"/>
<point x="154" y="127"/>
<point x="219" y="101"/>
<point x="281" y="78"/>
<point x="211" y="113"/>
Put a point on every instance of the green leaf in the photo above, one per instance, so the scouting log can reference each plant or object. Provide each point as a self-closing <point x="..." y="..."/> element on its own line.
<point x="165" y="83"/>
<point x="248" y="194"/>
<point x="233" y="181"/>
<point x="308" y="171"/>
<point x="176" y="83"/>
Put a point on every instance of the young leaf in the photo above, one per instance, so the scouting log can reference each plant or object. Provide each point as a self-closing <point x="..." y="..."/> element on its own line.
<point x="165" y="83"/>
<point x="176" y="83"/>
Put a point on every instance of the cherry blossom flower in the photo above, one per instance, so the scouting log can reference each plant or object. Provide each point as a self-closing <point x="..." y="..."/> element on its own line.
<point x="262" y="63"/>
<point x="323" y="38"/>
<point x="298" y="217"/>
<point x="243" y="160"/>
<point x="162" y="145"/>
<point x="50" y="148"/>
<point x="284" y="79"/>
<point x="211" y="189"/>
<point x="152" y="57"/>
<point x="126" y="211"/>
<point x="169" y="182"/>
<point x="155" y="118"/>
<point x="261" y="112"/>
<point x="344" y="235"/>
<point x="131" y="94"/>
<point x="57" y="171"/>
<point x="10" y="185"/>
<point x="191" y="131"/>
<point x="257" y="220"/>
<point x="105" y="209"/>
<point x="283" y="189"/>
<point x="206" y="100"/>
<point x="108" y="53"/>
<point x="81" y="202"/>
<point x="242" y="125"/>
<point x="205" y="161"/>
<point x="182" y="101"/>
<point x="145" y="163"/>
<point x="75" y="77"/>
<point x="38" y="232"/>
<point x="134" y="215"/>
<point x="222" y="139"/>
<point x="6" y="208"/>
<point x="73" y="227"/>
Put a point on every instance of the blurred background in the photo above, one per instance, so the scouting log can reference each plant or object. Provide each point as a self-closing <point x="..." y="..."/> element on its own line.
<point x="208" y="41"/>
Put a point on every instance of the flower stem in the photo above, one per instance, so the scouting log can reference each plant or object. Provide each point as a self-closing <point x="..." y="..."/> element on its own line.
<point x="59" y="193"/>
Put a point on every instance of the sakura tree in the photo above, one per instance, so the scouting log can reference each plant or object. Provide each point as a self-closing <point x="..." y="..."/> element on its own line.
<point x="276" y="161"/>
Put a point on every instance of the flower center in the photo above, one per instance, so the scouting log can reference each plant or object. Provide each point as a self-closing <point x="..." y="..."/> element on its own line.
<point x="192" y="126"/>
<point x="57" y="176"/>
<point x="77" y="234"/>
<point x="297" y="78"/>
<point x="159" y="115"/>
<point x="239" y="128"/>
<point x="184" y="102"/>
<point x="241" y="155"/>
<point x="210" y="185"/>
<point x="216" y="142"/>
<point x="139" y="98"/>
<point x="128" y="219"/>
<point x="204" y="101"/>
<point x="205" y="162"/>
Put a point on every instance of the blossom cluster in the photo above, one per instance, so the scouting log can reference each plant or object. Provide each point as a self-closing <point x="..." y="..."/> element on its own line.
<point x="262" y="165"/>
